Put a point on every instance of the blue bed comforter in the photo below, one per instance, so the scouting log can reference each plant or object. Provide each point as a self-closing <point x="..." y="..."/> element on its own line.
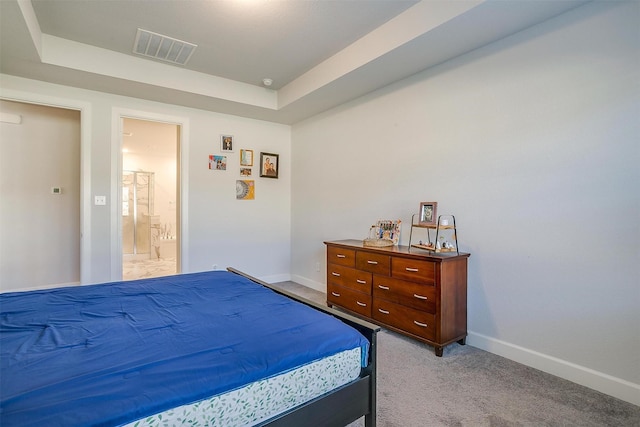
<point x="112" y="353"/>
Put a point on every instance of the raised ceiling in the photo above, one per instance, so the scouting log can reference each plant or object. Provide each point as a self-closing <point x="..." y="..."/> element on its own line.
<point x="319" y="53"/>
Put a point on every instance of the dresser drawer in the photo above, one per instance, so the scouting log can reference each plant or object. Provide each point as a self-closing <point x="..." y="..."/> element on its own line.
<point x="423" y="296"/>
<point x="351" y="300"/>
<point x="348" y="277"/>
<point x="414" y="270"/>
<point x="340" y="256"/>
<point x="375" y="263"/>
<point x="416" y="322"/>
<point x="415" y="295"/>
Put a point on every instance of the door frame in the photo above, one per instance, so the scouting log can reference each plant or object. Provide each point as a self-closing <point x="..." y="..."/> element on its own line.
<point x="118" y="115"/>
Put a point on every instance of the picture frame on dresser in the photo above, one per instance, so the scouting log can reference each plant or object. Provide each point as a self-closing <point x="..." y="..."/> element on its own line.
<point x="428" y="213"/>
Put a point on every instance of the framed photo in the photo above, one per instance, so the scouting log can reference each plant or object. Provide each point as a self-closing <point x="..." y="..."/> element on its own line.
<point x="269" y="165"/>
<point x="245" y="190"/>
<point x="226" y="143"/>
<point x="428" y="213"/>
<point x="246" y="157"/>
<point x="218" y="163"/>
<point x="245" y="171"/>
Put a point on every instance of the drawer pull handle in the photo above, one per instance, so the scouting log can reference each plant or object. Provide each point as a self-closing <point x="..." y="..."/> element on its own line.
<point x="383" y="311"/>
<point x="413" y="270"/>
<point x="386" y="288"/>
<point x="362" y="282"/>
<point x="341" y="256"/>
<point x="420" y="296"/>
<point x="372" y="262"/>
<point x="361" y="304"/>
<point x="335" y="274"/>
<point x="424" y="325"/>
<point x="335" y="294"/>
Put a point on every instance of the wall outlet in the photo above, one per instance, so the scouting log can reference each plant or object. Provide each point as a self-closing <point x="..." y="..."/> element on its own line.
<point x="317" y="266"/>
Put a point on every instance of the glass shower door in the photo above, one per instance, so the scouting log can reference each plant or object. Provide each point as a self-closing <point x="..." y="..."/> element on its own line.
<point x="128" y="223"/>
<point x="137" y="208"/>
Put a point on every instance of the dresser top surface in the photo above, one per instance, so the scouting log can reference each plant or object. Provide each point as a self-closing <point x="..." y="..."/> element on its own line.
<point x="398" y="250"/>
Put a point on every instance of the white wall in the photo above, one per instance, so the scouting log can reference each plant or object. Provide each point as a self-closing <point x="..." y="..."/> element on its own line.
<point x="532" y="142"/>
<point x="251" y="235"/>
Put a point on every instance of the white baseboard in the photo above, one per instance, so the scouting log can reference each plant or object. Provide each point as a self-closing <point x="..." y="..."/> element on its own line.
<point x="42" y="287"/>
<point x="320" y="287"/>
<point x="276" y="278"/>
<point x="604" y="383"/>
<point x="607" y="384"/>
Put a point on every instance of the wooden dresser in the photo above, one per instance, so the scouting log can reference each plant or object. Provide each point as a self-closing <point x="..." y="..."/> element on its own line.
<point x="417" y="293"/>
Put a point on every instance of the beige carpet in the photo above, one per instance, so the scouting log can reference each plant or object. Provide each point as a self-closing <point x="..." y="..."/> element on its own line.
<point x="471" y="387"/>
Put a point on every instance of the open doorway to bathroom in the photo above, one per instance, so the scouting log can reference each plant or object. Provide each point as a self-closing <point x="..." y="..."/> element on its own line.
<point x="150" y="199"/>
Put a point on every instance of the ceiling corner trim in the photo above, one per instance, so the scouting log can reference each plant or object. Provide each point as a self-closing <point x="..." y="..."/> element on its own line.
<point x="26" y="8"/>
<point x="413" y="23"/>
<point x="82" y="57"/>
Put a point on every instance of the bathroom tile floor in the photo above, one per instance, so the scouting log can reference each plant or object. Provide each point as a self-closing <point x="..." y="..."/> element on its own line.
<point x="142" y="269"/>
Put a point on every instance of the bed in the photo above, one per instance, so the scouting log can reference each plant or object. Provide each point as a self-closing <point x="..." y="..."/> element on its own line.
<point x="214" y="348"/>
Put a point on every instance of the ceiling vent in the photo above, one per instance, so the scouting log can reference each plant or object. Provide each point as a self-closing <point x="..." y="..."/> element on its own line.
<point x="162" y="47"/>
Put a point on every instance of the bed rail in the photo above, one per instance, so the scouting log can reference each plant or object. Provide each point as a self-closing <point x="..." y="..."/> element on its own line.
<point x="347" y="403"/>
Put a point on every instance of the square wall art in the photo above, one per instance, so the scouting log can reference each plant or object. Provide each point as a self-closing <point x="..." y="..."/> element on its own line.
<point x="245" y="190"/>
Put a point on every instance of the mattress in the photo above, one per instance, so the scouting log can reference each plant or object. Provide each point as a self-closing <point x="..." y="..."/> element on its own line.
<point x="259" y="401"/>
<point x="113" y="353"/>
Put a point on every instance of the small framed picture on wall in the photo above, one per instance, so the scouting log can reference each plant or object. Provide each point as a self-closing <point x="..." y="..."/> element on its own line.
<point x="269" y="165"/>
<point x="245" y="190"/>
<point x="246" y="157"/>
<point x="218" y="162"/>
<point x="226" y="143"/>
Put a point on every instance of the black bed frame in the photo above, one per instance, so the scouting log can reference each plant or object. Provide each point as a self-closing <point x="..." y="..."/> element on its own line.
<point x="345" y="404"/>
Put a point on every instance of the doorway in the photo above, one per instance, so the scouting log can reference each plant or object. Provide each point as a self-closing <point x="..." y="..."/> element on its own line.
<point x="40" y="187"/>
<point x="150" y="199"/>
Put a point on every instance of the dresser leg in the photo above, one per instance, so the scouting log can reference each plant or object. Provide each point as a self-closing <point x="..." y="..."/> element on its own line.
<point x="439" y="351"/>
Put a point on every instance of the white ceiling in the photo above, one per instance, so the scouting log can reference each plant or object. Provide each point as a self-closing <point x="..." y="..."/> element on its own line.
<point x="319" y="53"/>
